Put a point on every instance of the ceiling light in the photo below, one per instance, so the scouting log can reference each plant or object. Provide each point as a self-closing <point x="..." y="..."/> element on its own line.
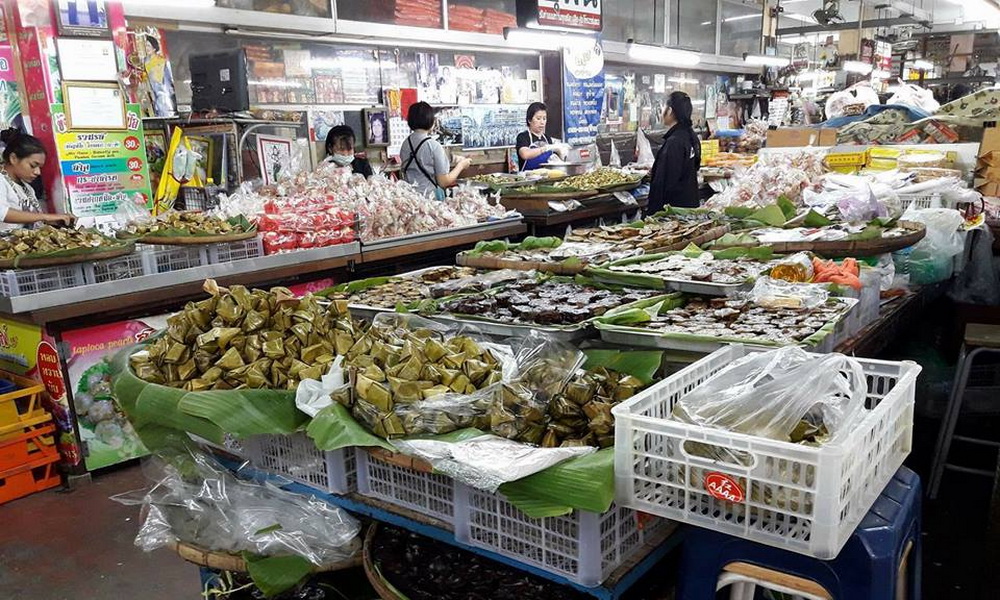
<point x="855" y="66"/>
<point x="682" y="80"/>
<point x="706" y="23"/>
<point x="922" y="65"/>
<point x="766" y="60"/>
<point x="546" y="40"/>
<point x="661" y="55"/>
<point x="799" y="17"/>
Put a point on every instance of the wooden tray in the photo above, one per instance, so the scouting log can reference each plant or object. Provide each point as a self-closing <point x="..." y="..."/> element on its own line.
<point x="223" y="561"/>
<point x="490" y="262"/>
<point x="624" y="187"/>
<point x="192" y="240"/>
<point x="55" y="261"/>
<point x="547" y="196"/>
<point x="842" y="248"/>
<point x="710" y="235"/>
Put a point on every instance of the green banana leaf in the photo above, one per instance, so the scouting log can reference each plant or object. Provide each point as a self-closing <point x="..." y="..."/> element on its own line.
<point x="334" y="428"/>
<point x="489" y="247"/>
<point x="871" y="232"/>
<point x="639" y="312"/>
<point x="770" y="215"/>
<point x="237" y="221"/>
<point x="584" y="483"/>
<point x="814" y="219"/>
<point x="110" y="246"/>
<point x="354" y="287"/>
<point x="787" y="207"/>
<point x="276" y="574"/>
<point x="738" y="212"/>
<point x="641" y="364"/>
<point x="534" y="243"/>
<point x="207" y="414"/>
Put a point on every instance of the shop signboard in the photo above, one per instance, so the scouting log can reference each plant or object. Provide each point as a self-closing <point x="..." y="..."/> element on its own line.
<point x="583" y="93"/>
<point x="107" y="435"/>
<point x="104" y="167"/>
<point x="584" y="15"/>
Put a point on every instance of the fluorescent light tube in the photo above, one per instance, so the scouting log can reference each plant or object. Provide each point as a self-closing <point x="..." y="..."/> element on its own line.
<point x="922" y="65"/>
<point x="545" y="40"/>
<point x="661" y="55"/>
<point x="766" y="60"/>
<point x="856" y="66"/>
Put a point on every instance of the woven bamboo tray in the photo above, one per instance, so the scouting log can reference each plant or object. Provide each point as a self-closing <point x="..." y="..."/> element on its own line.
<point x="375" y="578"/>
<point x="224" y="561"/>
<point x="548" y="196"/>
<point x="710" y="235"/>
<point x="622" y="187"/>
<point x="192" y="240"/>
<point x="28" y="262"/>
<point x="842" y="248"/>
<point x="490" y="262"/>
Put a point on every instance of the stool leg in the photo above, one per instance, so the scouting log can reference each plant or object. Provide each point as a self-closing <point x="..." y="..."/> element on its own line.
<point x="950" y="419"/>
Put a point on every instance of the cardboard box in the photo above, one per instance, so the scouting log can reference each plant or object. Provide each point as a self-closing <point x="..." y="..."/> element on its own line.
<point x="801" y="137"/>
<point x="990" y="143"/>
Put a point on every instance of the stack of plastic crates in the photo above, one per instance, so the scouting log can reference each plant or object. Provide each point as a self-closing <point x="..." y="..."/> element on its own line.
<point x="166" y="259"/>
<point x="114" y="269"/>
<point x="28" y="454"/>
<point x="584" y="547"/>
<point x="233" y="251"/>
<point x="297" y="458"/>
<point x="800" y="498"/>
<point x="921" y="201"/>
<point x="407" y="483"/>
<point x="23" y="282"/>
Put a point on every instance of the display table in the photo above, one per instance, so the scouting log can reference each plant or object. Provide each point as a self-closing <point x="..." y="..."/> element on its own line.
<point x="384" y="250"/>
<point x="894" y="316"/>
<point x="598" y="207"/>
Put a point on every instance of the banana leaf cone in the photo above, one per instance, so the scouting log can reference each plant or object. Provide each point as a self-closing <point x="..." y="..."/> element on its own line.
<point x="393" y="426"/>
<point x="274" y="348"/>
<point x="176" y="353"/>
<point x="230" y="360"/>
<point x="343" y="396"/>
<point x="476" y="371"/>
<point x="562" y="408"/>
<point x="437" y="390"/>
<point x="366" y="414"/>
<point x="434" y="350"/>
<point x="407" y="392"/>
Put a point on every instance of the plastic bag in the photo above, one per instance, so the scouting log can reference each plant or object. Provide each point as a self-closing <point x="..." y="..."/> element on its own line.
<point x="786" y="394"/>
<point x="313" y="396"/>
<point x="778" y="293"/>
<point x="644" y="150"/>
<point x="978" y="283"/>
<point x="487" y="462"/>
<point x="930" y="260"/>
<point x="195" y="500"/>
<point x="858" y="94"/>
<point x="915" y="96"/>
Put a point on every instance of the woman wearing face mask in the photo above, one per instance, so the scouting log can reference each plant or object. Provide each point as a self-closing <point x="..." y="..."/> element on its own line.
<point x="675" y="172"/>
<point x="23" y="157"/>
<point x="534" y="147"/>
<point x="340" y="150"/>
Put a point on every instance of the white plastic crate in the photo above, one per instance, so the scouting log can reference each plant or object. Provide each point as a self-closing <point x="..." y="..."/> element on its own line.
<point x="23" y="282"/>
<point x="584" y="547"/>
<point x="296" y="457"/>
<point x="921" y="201"/>
<point x="165" y="259"/>
<point x="803" y="499"/>
<point x="429" y="494"/>
<point x="233" y="251"/>
<point x="115" y="269"/>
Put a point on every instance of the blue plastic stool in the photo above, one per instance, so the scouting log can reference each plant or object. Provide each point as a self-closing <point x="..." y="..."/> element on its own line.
<point x="866" y="568"/>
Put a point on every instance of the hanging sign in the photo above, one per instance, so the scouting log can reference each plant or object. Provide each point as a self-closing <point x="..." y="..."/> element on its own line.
<point x="583" y="93"/>
<point x="584" y="15"/>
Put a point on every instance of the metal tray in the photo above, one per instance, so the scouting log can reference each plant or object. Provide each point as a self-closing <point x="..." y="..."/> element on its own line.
<point x="704" y="288"/>
<point x="441" y="234"/>
<point x="505" y="330"/>
<point x="707" y="345"/>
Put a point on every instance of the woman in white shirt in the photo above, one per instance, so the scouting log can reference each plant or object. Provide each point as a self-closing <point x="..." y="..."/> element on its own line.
<point x="23" y="157"/>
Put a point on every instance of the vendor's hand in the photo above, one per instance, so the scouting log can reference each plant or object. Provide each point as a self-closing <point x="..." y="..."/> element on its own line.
<point x="464" y="162"/>
<point x="60" y="220"/>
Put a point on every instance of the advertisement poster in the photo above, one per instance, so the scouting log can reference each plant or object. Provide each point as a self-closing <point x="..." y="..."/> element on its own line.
<point x="583" y="93"/>
<point x="102" y="168"/>
<point x="107" y="436"/>
<point x="24" y="352"/>
<point x="491" y="127"/>
<point x="10" y="101"/>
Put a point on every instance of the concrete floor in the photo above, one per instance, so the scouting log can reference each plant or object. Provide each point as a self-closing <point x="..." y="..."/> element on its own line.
<point x="58" y="545"/>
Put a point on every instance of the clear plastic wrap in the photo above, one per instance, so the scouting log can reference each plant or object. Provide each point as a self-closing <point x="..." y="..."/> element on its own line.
<point x="644" y="150"/>
<point x="860" y="94"/>
<point x="908" y="94"/>
<point x="786" y="394"/>
<point x="487" y="462"/>
<point x="195" y="500"/>
<point x="931" y="259"/>
<point x="778" y="293"/>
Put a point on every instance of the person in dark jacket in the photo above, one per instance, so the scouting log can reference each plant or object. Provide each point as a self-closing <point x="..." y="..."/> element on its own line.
<point x="675" y="172"/>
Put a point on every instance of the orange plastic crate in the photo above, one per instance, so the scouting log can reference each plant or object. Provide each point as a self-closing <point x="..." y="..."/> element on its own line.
<point x="36" y="476"/>
<point x="21" y="408"/>
<point x="35" y="446"/>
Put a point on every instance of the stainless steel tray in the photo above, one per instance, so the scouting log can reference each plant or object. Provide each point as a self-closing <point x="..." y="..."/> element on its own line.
<point x="705" y="288"/>
<point x="706" y="345"/>
<point x="505" y="330"/>
<point x="442" y="234"/>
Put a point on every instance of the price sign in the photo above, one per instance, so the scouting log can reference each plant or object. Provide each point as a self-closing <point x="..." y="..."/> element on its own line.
<point x="131" y="143"/>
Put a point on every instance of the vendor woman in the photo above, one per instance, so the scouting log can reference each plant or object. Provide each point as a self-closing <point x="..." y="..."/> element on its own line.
<point x="23" y="157"/>
<point x="534" y="147"/>
<point x="340" y="150"/>
<point x="424" y="161"/>
<point x="675" y="172"/>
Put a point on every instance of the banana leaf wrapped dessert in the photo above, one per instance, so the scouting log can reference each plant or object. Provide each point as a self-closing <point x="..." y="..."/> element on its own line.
<point x="48" y="239"/>
<point x="581" y="414"/>
<point x="243" y="339"/>
<point x="183" y="223"/>
<point x="409" y="382"/>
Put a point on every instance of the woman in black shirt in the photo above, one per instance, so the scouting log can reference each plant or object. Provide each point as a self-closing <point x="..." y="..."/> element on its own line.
<point x="340" y="150"/>
<point x="675" y="172"/>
